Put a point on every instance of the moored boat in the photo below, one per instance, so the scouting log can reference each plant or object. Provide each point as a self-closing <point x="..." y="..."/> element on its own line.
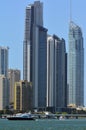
<point x="62" y="118"/>
<point x="25" y="116"/>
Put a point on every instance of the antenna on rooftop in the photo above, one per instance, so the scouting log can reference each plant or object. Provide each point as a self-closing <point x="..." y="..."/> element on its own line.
<point x="70" y="10"/>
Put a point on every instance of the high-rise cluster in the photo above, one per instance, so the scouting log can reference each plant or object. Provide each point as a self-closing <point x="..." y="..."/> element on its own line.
<point x="45" y="63"/>
<point x="52" y="79"/>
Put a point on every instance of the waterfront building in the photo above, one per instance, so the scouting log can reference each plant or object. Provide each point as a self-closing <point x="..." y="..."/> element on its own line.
<point x="4" y="83"/>
<point x="35" y="53"/>
<point x="13" y="76"/>
<point x="4" y="61"/>
<point x="23" y="96"/>
<point x="56" y="72"/>
<point x="75" y="66"/>
<point x="34" y="17"/>
<point x="4" y="92"/>
<point x="40" y="68"/>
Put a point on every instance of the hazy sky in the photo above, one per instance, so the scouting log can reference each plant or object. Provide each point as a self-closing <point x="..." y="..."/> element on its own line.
<point x="56" y="20"/>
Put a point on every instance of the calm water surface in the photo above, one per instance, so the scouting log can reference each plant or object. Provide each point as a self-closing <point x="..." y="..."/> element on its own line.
<point x="46" y="124"/>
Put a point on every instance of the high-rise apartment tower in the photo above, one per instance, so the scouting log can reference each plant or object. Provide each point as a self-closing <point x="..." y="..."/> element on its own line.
<point x="75" y="66"/>
<point x="35" y="53"/>
<point x="14" y="76"/>
<point x="4" y="61"/>
<point x="34" y="17"/>
<point x="4" y="82"/>
<point x="56" y="72"/>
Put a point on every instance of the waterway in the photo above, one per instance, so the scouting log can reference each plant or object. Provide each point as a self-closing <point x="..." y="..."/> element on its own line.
<point x="44" y="124"/>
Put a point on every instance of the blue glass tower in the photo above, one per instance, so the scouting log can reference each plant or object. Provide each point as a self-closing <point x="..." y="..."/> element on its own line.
<point x="35" y="53"/>
<point x="75" y="66"/>
<point x="4" y="61"/>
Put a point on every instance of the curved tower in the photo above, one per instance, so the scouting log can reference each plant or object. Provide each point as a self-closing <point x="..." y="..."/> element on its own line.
<point x="75" y="66"/>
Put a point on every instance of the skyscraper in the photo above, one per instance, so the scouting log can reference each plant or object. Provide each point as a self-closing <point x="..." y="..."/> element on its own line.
<point x="35" y="53"/>
<point x="34" y="17"/>
<point x="75" y="66"/>
<point x="4" y="82"/>
<point x="4" y="61"/>
<point x="4" y="92"/>
<point x="56" y="72"/>
<point x="39" y="80"/>
<point x="14" y="76"/>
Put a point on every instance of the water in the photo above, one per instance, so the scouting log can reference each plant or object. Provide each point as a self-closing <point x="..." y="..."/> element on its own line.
<point x="46" y="124"/>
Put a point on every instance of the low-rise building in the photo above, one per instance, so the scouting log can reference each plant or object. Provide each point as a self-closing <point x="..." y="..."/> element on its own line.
<point x="23" y="96"/>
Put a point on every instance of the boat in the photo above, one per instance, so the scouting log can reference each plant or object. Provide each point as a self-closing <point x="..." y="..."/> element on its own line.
<point x="62" y="118"/>
<point x="20" y="116"/>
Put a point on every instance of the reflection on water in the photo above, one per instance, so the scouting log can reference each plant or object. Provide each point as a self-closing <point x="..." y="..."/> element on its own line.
<point x="46" y="124"/>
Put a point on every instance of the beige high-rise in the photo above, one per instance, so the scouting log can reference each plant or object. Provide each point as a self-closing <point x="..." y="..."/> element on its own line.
<point x="23" y="96"/>
<point x="14" y="76"/>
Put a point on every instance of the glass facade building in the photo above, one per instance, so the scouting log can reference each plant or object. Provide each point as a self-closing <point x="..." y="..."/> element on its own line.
<point x="4" y="82"/>
<point x="56" y="72"/>
<point x="75" y="66"/>
<point x="4" y="61"/>
<point x="34" y="53"/>
<point x="34" y="17"/>
<point x="39" y="67"/>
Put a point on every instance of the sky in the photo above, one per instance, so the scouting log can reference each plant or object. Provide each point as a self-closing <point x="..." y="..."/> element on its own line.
<point x="56" y="15"/>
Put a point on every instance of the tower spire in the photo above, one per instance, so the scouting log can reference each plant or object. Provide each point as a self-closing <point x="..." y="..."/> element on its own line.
<point x="70" y="10"/>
